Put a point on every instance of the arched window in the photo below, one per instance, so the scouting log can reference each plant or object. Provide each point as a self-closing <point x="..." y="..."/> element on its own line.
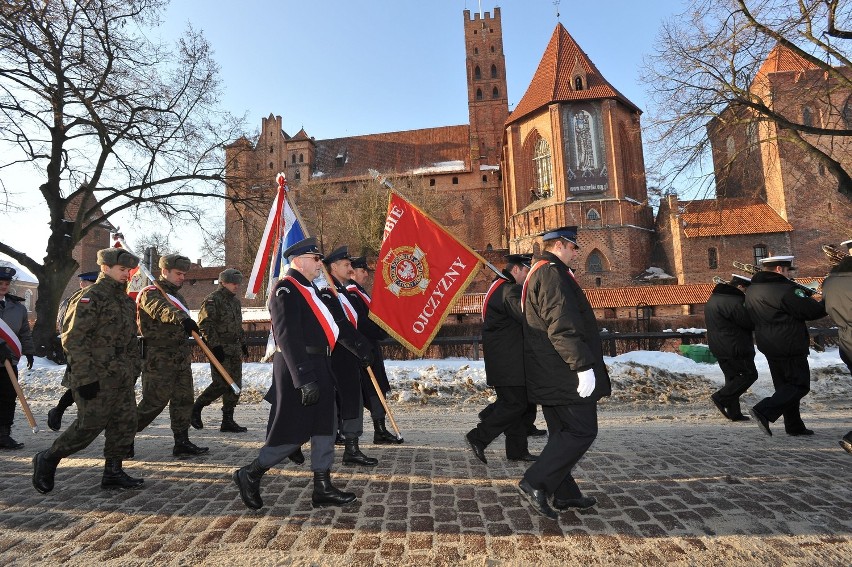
<point x="298" y="175"/>
<point x="712" y="258"/>
<point x="495" y="93"/>
<point x="594" y="262"/>
<point x="593" y="215"/>
<point x="271" y="165"/>
<point x="294" y="158"/>
<point x="543" y="169"/>
<point x="807" y="116"/>
<point x="730" y="148"/>
<point x="301" y="158"/>
<point x="492" y="49"/>
<point x="478" y="94"/>
<point x="578" y="83"/>
<point x="493" y="71"/>
<point x="271" y="148"/>
<point x="751" y="136"/>
<point x="477" y="73"/>
<point x="476" y="51"/>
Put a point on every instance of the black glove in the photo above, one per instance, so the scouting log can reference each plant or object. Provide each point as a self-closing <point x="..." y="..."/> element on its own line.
<point x="244" y="347"/>
<point x="5" y="353"/>
<point x="365" y="354"/>
<point x="189" y="326"/>
<point x="29" y="362"/>
<point x="218" y="352"/>
<point x="89" y="391"/>
<point x="310" y="393"/>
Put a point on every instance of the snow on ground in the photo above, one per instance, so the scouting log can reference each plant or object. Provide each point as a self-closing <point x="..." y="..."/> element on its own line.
<point x="639" y="378"/>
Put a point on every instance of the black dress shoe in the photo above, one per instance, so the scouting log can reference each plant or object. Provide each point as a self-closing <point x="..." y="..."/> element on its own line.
<point x="720" y="407"/>
<point x="846" y="444"/>
<point x="803" y="432"/>
<point x="536" y="432"/>
<point x="477" y="447"/>
<point x="762" y="422"/>
<point x="528" y="458"/>
<point x="741" y="418"/>
<point x="340" y="440"/>
<point x="538" y="498"/>
<point x="582" y="503"/>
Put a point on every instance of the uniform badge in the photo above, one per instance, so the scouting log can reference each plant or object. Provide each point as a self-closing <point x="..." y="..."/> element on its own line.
<point x="405" y="271"/>
<point x="800" y="293"/>
<point x="85" y="299"/>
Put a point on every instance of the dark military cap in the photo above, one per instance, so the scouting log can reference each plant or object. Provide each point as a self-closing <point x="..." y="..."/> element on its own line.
<point x="175" y="262"/>
<point x="568" y="233"/>
<point x="361" y="262"/>
<point x="306" y="246"/>
<point x="737" y="279"/>
<point x="520" y="259"/>
<point x="773" y="261"/>
<point x="231" y="275"/>
<point x="88" y="276"/>
<point x="341" y="253"/>
<point x="117" y="256"/>
<point x="7" y="273"/>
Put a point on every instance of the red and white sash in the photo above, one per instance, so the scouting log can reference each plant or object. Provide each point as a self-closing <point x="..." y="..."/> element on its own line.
<point x="321" y="312"/>
<point x="537" y="265"/>
<point x="494" y="285"/>
<point x="348" y="308"/>
<point x="11" y="338"/>
<point x="364" y="297"/>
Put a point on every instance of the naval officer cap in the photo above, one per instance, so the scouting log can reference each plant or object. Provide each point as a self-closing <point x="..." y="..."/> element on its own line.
<point x="519" y="259"/>
<point x="774" y="261"/>
<point x="7" y="273"/>
<point x="88" y="276"/>
<point x="361" y="262"/>
<point x="117" y="257"/>
<point x="847" y="244"/>
<point x="175" y="262"/>
<point x="568" y="233"/>
<point x="341" y="253"/>
<point x="737" y="279"/>
<point x="231" y="275"/>
<point x="306" y="246"/>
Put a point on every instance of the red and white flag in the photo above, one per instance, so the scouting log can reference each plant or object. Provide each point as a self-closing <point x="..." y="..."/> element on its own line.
<point x="422" y="269"/>
<point x="10" y="338"/>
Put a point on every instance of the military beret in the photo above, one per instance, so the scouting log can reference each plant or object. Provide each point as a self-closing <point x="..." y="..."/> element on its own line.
<point x="231" y="275"/>
<point x="520" y="259"/>
<point x="306" y="246"/>
<point x="361" y="262"/>
<point x="88" y="276"/>
<point x="341" y="253"/>
<point x="7" y="273"/>
<point x="568" y="233"/>
<point x="175" y="262"/>
<point x="117" y="256"/>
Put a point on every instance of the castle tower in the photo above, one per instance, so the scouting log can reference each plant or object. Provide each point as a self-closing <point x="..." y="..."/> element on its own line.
<point x="486" y="86"/>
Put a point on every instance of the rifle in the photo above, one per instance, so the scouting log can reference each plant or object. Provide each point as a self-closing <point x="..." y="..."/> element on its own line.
<point x="752" y="269"/>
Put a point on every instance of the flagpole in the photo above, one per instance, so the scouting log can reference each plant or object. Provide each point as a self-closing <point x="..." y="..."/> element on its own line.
<point x="20" y="393"/>
<point x="198" y="340"/>
<point x="383" y="180"/>
<point x="282" y="182"/>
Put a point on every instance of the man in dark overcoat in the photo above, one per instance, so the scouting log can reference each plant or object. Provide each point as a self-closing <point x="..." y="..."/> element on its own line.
<point x="503" y="348"/>
<point x="303" y="390"/>
<point x="780" y="310"/>
<point x="14" y="314"/>
<point x="837" y="291"/>
<point x="565" y="372"/>
<point x="729" y="336"/>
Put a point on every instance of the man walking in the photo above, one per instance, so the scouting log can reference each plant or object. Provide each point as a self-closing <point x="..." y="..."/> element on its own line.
<point x="302" y="393"/>
<point x="99" y="339"/>
<point x="780" y="309"/>
<point x="14" y="314"/>
<point x="729" y="336"/>
<point x="503" y="347"/>
<point x="837" y="291"/>
<point x="221" y="323"/>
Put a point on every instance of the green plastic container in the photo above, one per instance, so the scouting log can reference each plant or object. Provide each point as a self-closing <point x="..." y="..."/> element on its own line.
<point x="698" y="353"/>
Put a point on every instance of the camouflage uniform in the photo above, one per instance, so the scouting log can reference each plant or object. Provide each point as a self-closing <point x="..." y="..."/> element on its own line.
<point x="221" y="322"/>
<point x="99" y="338"/>
<point x="166" y="370"/>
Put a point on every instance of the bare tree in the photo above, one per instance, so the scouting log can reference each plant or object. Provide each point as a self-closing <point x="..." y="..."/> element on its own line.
<point x="707" y="70"/>
<point x="108" y="120"/>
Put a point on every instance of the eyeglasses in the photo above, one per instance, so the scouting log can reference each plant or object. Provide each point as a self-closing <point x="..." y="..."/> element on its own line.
<point x="314" y="257"/>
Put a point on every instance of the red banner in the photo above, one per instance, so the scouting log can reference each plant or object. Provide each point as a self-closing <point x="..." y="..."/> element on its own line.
<point x="422" y="269"/>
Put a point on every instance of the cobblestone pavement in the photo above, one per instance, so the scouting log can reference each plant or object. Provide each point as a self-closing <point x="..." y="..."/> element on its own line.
<point x="675" y="486"/>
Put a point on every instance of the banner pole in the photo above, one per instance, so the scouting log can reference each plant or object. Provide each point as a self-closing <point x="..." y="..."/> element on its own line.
<point x="20" y="393"/>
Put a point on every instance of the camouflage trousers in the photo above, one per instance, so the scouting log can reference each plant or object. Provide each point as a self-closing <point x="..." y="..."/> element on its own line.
<point x="166" y="380"/>
<point x="219" y="387"/>
<point x="112" y="411"/>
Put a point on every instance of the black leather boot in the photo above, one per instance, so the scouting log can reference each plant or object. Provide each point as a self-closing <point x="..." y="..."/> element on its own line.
<point x="326" y="494"/>
<point x="186" y="448"/>
<point x="228" y="423"/>
<point x="352" y="455"/>
<point x="195" y="417"/>
<point x="44" y="470"/>
<point x="115" y="477"/>
<point x="6" y="441"/>
<point x="247" y="480"/>
<point x="382" y="436"/>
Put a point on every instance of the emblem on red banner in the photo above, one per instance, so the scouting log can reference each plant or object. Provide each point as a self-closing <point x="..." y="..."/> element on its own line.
<point x="405" y="271"/>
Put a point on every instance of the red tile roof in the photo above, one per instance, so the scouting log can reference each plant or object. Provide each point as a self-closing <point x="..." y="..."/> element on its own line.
<point x="725" y="217"/>
<point x="552" y="79"/>
<point x="782" y="59"/>
<point x="338" y="158"/>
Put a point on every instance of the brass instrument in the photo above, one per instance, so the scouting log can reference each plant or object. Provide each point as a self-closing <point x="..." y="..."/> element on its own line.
<point x="718" y="280"/>
<point x="809" y="289"/>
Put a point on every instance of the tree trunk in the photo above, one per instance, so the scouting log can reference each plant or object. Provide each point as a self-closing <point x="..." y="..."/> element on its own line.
<point x="59" y="266"/>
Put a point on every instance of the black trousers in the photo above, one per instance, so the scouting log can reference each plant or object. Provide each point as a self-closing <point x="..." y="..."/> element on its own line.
<point x="571" y="431"/>
<point x="792" y="380"/>
<point x="510" y="416"/>
<point x="740" y="374"/>
<point x="8" y="398"/>
<point x="66" y="401"/>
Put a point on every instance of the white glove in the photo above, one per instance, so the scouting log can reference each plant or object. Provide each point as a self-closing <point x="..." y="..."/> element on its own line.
<point x="586" y="383"/>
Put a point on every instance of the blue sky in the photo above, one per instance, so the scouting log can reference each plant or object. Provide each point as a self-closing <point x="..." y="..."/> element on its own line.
<point x="340" y="68"/>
